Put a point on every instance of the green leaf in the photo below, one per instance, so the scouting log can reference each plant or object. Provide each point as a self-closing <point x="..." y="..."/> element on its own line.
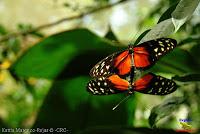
<point x="167" y="14"/>
<point x="110" y="35"/>
<point x="178" y="23"/>
<point x="187" y="78"/>
<point x="189" y="40"/>
<point x="164" y="109"/>
<point x="183" y="11"/>
<point x="70" y="106"/>
<point x="141" y="36"/>
<point x="162" y="29"/>
<point x="2" y="30"/>
<point x="195" y="53"/>
<point x="78" y="48"/>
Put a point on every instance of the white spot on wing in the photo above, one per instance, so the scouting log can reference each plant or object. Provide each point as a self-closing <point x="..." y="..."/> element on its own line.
<point x="91" y="89"/>
<point x="107" y="67"/>
<point x="112" y="91"/>
<point x="163" y="83"/>
<point x="101" y="70"/>
<point x="97" y="66"/>
<point x="105" y="83"/>
<point x="102" y="64"/>
<point x="156" y="50"/>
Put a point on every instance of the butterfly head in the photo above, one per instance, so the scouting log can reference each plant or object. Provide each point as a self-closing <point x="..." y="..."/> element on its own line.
<point x="130" y="48"/>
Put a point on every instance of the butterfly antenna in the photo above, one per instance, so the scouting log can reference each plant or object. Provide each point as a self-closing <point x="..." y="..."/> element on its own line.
<point x="123" y="100"/>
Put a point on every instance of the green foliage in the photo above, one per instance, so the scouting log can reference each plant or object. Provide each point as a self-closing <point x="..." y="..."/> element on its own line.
<point x="182" y="12"/>
<point x="141" y="36"/>
<point x="167" y="14"/>
<point x="187" y="78"/>
<point x="2" y="30"/>
<point x="66" y="58"/>
<point x="126" y="130"/>
<point x="185" y="9"/>
<point x="50" y="54"/>
<point x="28" y="27"/>
<point x="164" y="109"/>
<point x="184" y="63"/>
<point x="70" y="84"/>
<point x="79" y="110"/>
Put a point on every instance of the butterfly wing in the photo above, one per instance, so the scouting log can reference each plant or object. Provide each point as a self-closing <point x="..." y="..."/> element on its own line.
<point x="104" y="67"/>
<point x="119" y="63"/>
<point x="107" y="85"/>
<point x="122" y="63"/>
<point x="155" y="85"/>
<point x="147" y="53"/>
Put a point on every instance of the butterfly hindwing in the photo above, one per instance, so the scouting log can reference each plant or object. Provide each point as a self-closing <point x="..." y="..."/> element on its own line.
<point x="111" y="84"/>
<point x="155" y="85"/>
<point x="147" y="53"/>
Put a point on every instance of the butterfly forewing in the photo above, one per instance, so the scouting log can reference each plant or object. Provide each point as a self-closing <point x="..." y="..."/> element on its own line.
<point x="147" y="53"/>
<point x="118" y="63"/>
<point x="104" y="67"/>
<point x="155" y="85"/>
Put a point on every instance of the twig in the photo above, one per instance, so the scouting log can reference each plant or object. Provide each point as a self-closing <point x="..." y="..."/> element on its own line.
<point x="7" y="37"/>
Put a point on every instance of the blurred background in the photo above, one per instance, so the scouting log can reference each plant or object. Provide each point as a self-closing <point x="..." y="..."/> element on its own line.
<point x="48" y="47"/>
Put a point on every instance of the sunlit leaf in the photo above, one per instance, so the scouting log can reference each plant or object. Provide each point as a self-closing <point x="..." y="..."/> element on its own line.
<point x="185" y="8"/>
<point x="183" y="11"/>
<point x="178" y="23"/>
<point x="162" y="29"/>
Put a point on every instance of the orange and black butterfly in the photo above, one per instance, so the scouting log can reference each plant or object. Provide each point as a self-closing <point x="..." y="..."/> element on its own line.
<point x="108" y="73"/>
<point x="148" y="84"/>
<point x="142" y="56"/>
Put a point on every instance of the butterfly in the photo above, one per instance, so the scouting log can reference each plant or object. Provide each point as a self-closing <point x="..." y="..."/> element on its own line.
<point x="142" y="57"/>
<point x="147" y="84"/>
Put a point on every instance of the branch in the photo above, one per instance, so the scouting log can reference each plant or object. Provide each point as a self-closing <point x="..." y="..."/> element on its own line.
<point x="12" y="35"/>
